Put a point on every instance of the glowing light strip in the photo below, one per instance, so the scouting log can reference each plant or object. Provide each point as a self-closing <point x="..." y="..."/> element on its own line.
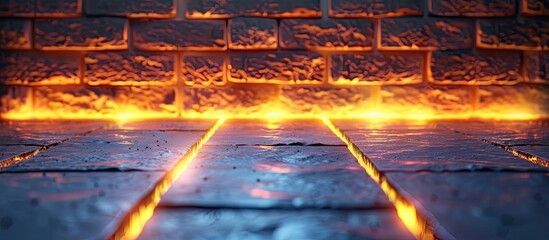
<point x="520" y="154"/>
<point x="407" y="212"/>
<point x="132" y="225"/>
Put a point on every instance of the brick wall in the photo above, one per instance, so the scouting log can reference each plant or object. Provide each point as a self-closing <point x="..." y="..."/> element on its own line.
<point x="196" y="56"/>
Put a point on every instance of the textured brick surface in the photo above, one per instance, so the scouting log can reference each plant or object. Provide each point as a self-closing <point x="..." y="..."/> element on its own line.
<point x="374" y="8"/>
<point x="203" y="70"/>
<point x="537" y="67"/>
<point x="259" y="8"/>
<point x="461" y="67"/>
<point x="522" y="34"/>
<point x="234" y="99"/>
<point x="39" y="69"/>
<point x="58" y="8"/>
<point x="474" y="8"/>
<point x="535" y="7"/>
<point x="334" y="100"/>
<point x="376" y="69"/>
<point x="80" y="34"/>
<point x="289" y="67"/>
<point x="529" y="98"/>
<point x="17" y="8"/>
<point x="420" y="33"/>
<point x="326" y="34"/>
<point x="179" y="35"/>
<point x="253" y="33"/>
<point x="425" y="98"/>
<point x="15" y="34"/>
<point x="132" y="8"/>
<point x="129" y="69"/>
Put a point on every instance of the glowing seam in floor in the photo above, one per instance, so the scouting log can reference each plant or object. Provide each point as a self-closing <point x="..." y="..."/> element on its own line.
<point x="132" y="225"/>
<point x="26" y="156"/>
<point x="520" y="154"/>
<point x="407" y="212"/>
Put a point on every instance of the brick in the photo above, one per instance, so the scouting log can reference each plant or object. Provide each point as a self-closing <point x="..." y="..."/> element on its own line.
<point x="17" y="8"/>
<point x="537" y="67"/>
<point x="475" y="8"/>
<point x="81" y="34"/>
<point x="518" y="34"/>
<point x="258" y="8"/>
<point x="237" y="99"/>
<point x="426" y="34"/>
<point x="203" y="70"/>
<point x="535" y="7"/>
<point x="374" y="8"/>
<point x="25" y="68"/>
<point x="468" y="68"/>
<point x="295" y="67"/>
<point x="336" y="101"/>
<point x="15" y="34"/>
<point x="58" y="8"/>
<point x="132" y="8"/>
<point x="326" y="34"/>
<point x="376" y="69"/>
<point x="253" y="33"/>
<point x="522" y="98"/>
<point x="166" y="35"/>
<point x="426" y="99"/>
<point x="129" y="69"/>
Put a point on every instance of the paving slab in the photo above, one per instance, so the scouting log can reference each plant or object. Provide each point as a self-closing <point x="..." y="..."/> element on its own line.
<point x="487" y="205"/>
<point x="428" y="147"/>
<point x="67" y="205"/>
<point x="275" y="177"/>
<point x="168" y="125"/>
<point x="119" y="150"/>
<point x="273" y="224"/>
<point x="274" y="132"/>
<point x="18" y="137"/>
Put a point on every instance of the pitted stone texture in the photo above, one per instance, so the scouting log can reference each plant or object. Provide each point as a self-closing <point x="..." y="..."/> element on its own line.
<point x="517" y="34"/>
<point x="274" y="224"/>
<point x="468" y="68"/>
<point x="203" y="70"/>
<point x="277" y="67"/>
<point x="68" y="205"/>
<point x="535" y="7"/>
<point x="17" y="8"/>
<point x="132" y="8"/>
<point x="426" y="34"/>
<point x="433" y="99"/>
<point x="237" y="100"/>
<point x="129" y="69"/>
<point x="416" y="147"/>
<point x="276" y="177"/>
<point x="15" y="34"/>
<point x="335" y="100"/>
<point x="482" y="205"/>
<point x="376" y="69"/>
<point x="523" y="98"/>
<point x="253" y="33"/>
<point x="169" y="35"/>
<point x="475" y="8"/>
<point x="537" y="67"/>
<point x="114" y="150"/>
<point x="374" y="8"/>
<point x="259" y="8"/>
<point x="102" y="33"/>
<point x="105" y="101"/>
<point x="39" y="69"/>
<point x="58" y="8"/>
<point x="348" y="34"/>
<point x="274" y="132"/>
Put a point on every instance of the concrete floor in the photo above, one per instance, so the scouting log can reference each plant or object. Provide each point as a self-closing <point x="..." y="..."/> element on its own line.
<point x="279" y="179"/>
